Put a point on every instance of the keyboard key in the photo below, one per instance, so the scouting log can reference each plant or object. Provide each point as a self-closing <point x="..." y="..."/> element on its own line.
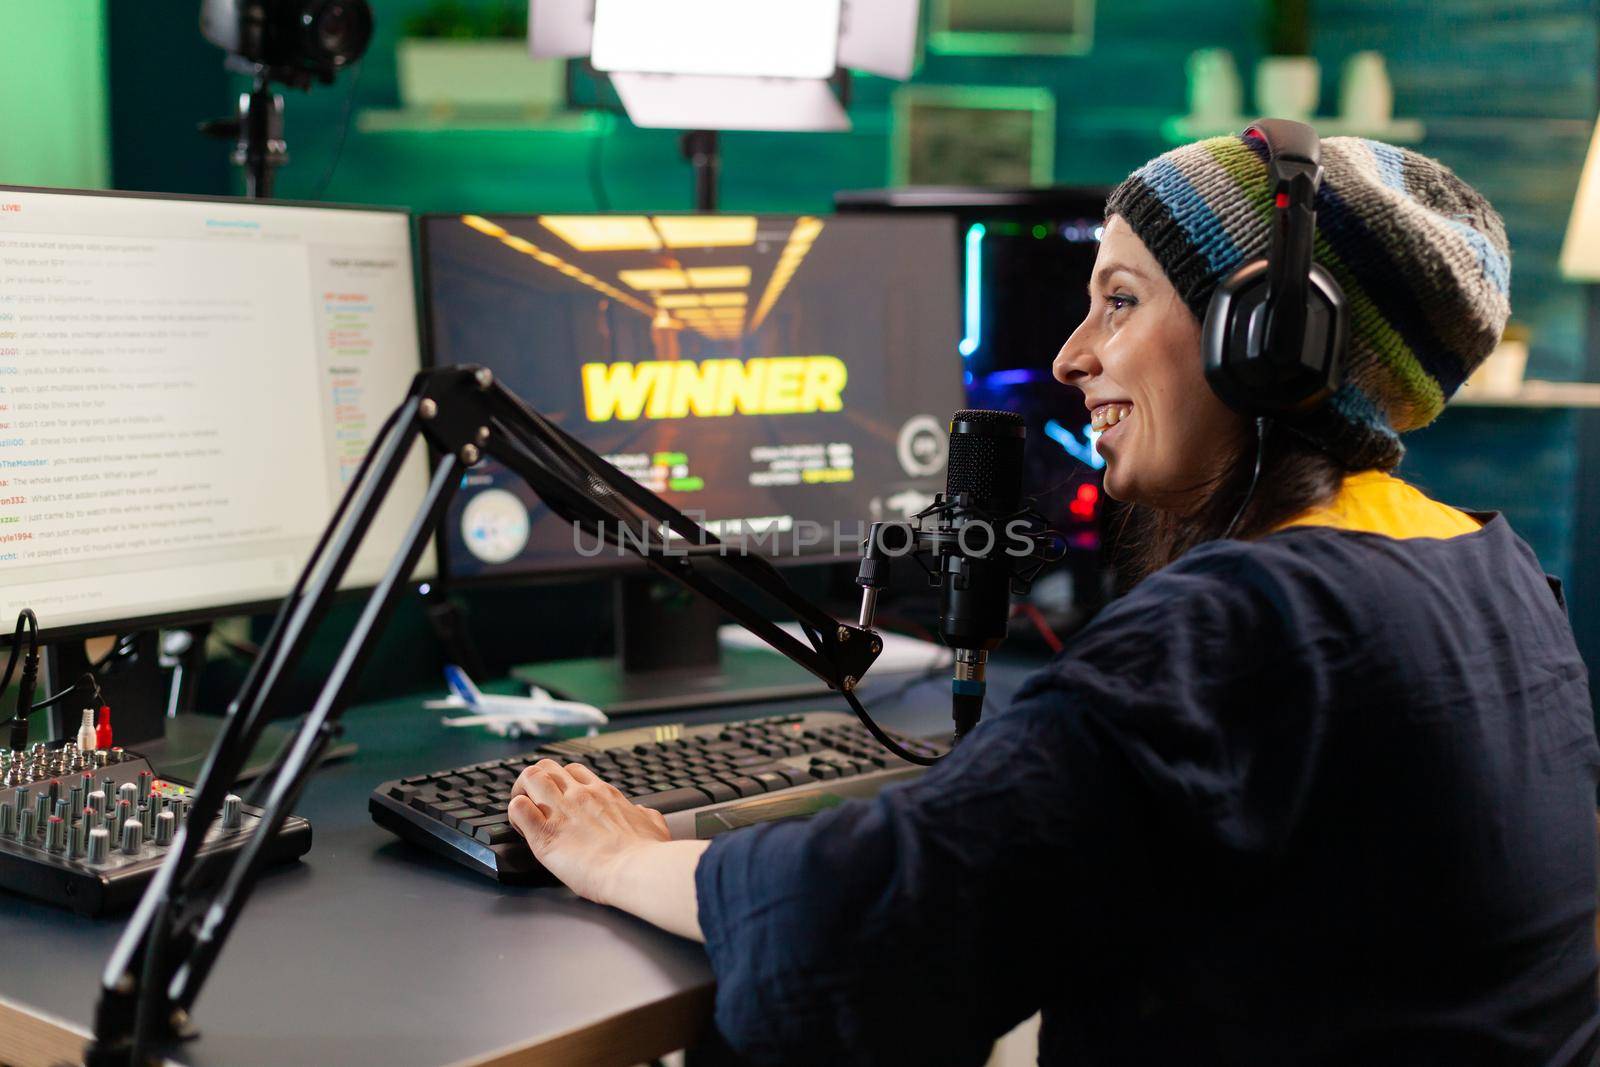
<point x="496" y="833"/>
<point x="719" y="791"/>
<point x="471" y="826"/>
<point x="671" y="800"/>
<point x="452" y="816"/>
<point x="824" y="771"/>
<point x="747" y="787"/>
<point x="772" y="780"/>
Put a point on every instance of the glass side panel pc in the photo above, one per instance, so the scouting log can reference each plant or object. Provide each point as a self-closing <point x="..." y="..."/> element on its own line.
<point x="784" y="379"/>
<point x="186" y="388"/>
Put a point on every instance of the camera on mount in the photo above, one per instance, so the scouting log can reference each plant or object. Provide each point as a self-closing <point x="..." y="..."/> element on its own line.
<point x="292" y="41"/>
<point x="296" y="42"/>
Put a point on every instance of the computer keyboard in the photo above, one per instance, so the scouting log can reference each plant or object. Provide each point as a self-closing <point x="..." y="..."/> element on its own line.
<point x="704" y="779"/>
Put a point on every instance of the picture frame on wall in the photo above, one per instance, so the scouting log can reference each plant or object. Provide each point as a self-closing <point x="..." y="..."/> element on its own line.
<point x="1011" y="27"/>
<point x="972" y="135"/>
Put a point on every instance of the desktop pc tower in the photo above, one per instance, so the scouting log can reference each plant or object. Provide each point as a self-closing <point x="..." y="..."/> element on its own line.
<point x="1025" y="258"/>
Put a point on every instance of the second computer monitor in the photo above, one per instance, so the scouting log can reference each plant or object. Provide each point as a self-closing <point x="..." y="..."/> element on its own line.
<point x="783" y="377"/>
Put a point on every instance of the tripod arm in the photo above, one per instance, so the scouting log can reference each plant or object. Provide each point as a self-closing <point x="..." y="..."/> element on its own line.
<point x="165" y="954"/>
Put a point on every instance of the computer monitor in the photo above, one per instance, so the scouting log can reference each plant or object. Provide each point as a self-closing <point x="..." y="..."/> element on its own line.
<point x="186" y="388"/>
<point x="785" y="377"/>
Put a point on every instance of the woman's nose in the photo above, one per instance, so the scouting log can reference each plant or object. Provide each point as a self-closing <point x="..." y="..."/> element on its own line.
<point x="1077" y="361"/>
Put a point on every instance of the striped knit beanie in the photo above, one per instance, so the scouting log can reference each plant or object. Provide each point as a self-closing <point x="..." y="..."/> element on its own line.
<point x="1421" y="256"/>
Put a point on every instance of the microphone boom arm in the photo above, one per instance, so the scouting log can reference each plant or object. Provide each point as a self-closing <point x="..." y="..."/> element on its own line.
<point x="165" y="954"/>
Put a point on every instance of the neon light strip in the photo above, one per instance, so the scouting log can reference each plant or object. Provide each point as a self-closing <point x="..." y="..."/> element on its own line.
<point x="1083" y="453"/>
<point x="974" y="283"/>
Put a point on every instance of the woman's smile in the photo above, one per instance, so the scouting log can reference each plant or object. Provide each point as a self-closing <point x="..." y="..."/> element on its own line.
<point x="1108" y="416"/>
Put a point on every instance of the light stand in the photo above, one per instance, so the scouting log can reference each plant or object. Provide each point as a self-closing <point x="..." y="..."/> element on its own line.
<point x="260" y="149"/>
<point x="164" y="956"/>
<point x="703" y="150"/>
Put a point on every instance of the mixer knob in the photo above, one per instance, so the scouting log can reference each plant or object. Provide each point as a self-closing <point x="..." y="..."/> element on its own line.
<point x="8" y="819"/>
<point x="26" y="826"/>
<point x="144" y="785"/>
<point x="55" y="834"/>
<point x="63" y="810"/>
<point x="76" y="797"/>
<point x="147" y="819"/>
<point x="123" y="813"/>
<point x="24" y="799"/>
<point x="41" y="808"/>
<point x="108" y="785"/>
<point x="166" y="827"/>
<point x="99" y="844"/>
<point x="97" y="801"/>
<point x="54" y="789"/>
<point x="80" y="833"/>
<point x="129" y="792"/>
<point x="232" y="812"/>
<point x="132" y="836"/>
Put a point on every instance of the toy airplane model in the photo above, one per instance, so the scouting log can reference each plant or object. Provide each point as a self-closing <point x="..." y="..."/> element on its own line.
<point x="511" y="716"/>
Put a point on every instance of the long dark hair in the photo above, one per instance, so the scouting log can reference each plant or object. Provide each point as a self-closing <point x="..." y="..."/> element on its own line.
<point x="1296" y="475"/>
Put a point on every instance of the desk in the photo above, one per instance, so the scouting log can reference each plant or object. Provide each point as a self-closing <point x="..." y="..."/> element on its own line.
<point x="370" y="951"/>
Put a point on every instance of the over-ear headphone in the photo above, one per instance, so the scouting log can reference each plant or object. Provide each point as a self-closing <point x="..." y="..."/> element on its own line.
<point x="1274" y="334"/>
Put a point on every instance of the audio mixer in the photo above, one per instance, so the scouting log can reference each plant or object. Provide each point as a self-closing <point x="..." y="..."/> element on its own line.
<point x="88" y="830"/>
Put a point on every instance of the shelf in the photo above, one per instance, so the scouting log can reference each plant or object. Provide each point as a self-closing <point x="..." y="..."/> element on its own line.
<point x="1536" y="394"/>
<point x="462" y="120"/>
<point x="1181" y="129"/>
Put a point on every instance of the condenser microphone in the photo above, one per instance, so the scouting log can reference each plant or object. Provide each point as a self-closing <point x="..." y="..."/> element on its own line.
<point x="983" y="493"/>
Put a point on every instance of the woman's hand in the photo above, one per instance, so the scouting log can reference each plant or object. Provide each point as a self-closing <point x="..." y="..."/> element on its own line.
<point x="582" y="829"/>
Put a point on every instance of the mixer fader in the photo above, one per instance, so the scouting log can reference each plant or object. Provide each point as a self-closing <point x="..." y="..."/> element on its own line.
<point x="87" y="830"/>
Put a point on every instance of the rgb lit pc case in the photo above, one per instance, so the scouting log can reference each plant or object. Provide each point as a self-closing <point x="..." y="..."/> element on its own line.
<point x="1026" y="256"/>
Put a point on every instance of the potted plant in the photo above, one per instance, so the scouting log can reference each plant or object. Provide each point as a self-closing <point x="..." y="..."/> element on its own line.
<point x="1288" y="81"/>
<point x="459" y="55"/>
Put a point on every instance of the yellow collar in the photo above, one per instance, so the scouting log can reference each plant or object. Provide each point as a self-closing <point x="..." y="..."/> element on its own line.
<point x="1374" y="502"/>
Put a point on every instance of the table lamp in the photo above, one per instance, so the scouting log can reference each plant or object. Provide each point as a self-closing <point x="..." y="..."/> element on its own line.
<point x="1580" y="252"/>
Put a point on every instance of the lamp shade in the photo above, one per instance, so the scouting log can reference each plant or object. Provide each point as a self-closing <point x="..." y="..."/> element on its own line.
<point x="1580" y="252"/>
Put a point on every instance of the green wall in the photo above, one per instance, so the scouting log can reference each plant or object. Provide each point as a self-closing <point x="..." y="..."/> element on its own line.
<point x="53" y="93"/>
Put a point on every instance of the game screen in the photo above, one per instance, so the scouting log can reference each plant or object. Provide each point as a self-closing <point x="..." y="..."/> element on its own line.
<point x="779" y="378"/>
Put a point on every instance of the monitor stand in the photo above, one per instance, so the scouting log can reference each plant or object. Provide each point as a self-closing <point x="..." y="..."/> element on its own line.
<point x="152" y="706"/>
<point x="668" y="657"/>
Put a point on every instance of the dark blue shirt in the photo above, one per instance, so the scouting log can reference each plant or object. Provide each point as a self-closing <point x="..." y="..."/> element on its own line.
<point x="1322" y="798"/>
